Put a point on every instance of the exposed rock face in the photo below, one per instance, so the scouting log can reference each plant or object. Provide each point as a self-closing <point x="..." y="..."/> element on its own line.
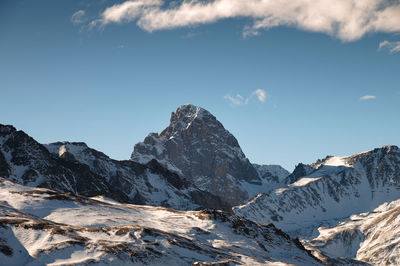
<point x="76" y="168"/>
<point x="197" y="145"/>
<point x="336" y="188"/>
<point x="145" y="184"/>
<point x="25" y="161"/>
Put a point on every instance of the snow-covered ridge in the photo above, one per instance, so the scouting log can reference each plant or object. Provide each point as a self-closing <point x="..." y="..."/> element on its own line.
<point x="149" y="184"/>
<point x="41" y="226"/>
<point x="272" y="172"/>
<point x="337" y="188"/>
<point x="74" y="167"/>
<point x="372" y="237"/>
<point x="348" y="161"/>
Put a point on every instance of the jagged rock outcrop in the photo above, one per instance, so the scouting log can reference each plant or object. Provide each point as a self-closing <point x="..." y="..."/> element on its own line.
<point x="26" y="161"/>
<point x="299" y="171"/>
<point x="198" y="146"/>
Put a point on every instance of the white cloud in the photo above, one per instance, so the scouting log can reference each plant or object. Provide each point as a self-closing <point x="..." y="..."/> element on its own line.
<point x="393" y="47"/>
<point x="129" y="10"/>
<point x="367" y="97"/>
<point x="261" y="95"/>
<point x="347" y="20"/>
<point x="238" y="99"/>
<point x="79" y="17"/>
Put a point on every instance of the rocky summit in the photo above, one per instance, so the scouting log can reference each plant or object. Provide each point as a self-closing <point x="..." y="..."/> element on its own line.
<point x="196" y="145"/>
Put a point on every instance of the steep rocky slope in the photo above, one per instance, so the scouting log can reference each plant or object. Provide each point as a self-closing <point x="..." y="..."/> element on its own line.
<point x="195" y="162"/>
<point x="24" y="160"/>
<point x="147" y="184"/>
<point x="273" y="172"/>
<point x="40" y="226"/>
<point x="197" y="145"/>
<point x="74" y="167"/>
<point x="337" y="188"/>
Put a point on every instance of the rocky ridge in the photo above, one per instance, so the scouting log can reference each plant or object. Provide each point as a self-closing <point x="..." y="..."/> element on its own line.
<point x="372" y="237"/>
<point x="273" y="174"/>
<point x="76" y="168"/>
<point x="337" y="188"/>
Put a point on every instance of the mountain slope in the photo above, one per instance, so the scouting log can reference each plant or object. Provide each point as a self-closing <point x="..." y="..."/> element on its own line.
<point x="337" y="188"/>
<point x="372" y="237"/>
<point x="273" y="176"/>
<point x="74" y="167"/>
<point x="40" y="226"/>
<point x="272" y="172"/>
<point x="197" y="145"/>
<point x="24" y="160"/>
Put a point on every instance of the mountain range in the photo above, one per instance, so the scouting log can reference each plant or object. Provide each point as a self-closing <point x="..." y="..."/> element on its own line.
<point x="189" y="195"/>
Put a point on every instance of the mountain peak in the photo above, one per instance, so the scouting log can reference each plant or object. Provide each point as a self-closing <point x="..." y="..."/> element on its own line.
<point x="6" y="129"/>
<point x="189" y="118"/>
<point x="190" y="110"/>
<point x="187" y="113"/>
<point x="196" y="145"/>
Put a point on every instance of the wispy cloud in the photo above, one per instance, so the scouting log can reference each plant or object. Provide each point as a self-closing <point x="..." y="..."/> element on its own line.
<point x="347" y="20"/>
<point x="261" y="95"/>
<point x="393" y="47"/>
<point x="237" y="100"/>
<point x="79" y="17"/>
<point x="367" y="97"/>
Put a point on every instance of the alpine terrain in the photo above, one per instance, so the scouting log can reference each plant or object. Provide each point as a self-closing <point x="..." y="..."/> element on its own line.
<point x="332" y="188"/>
<point x="197" y="146"/>
<point x="76" y="168"/>
<point x="40" y="226"/>
<point x="190" y="196"/>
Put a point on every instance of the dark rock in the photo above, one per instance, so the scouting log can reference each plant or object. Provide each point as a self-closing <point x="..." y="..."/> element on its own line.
<point x="197" y="145"/>
<point x="300" y="170"/>
<point x="4" y="168"/>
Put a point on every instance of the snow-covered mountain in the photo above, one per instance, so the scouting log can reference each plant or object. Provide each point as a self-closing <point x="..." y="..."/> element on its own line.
<point x="372" y="237"/>
<point x="43" y="227"/>
<point x="332" y="189"/>
<point x="272" y="173"/>
<point x="24" y="160"/>
<point x="195" y="162"/>
<point x="76" y="168"/>
<point x="300" y="170"/>
<point x="343" y="209"/>
<point x="196" y="145"/>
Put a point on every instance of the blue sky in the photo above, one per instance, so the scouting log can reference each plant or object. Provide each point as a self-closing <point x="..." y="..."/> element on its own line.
<point x="290" y="91"/>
